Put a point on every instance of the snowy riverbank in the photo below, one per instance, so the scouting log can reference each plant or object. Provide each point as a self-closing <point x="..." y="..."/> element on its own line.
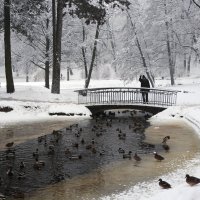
<point x="32" y="102"/>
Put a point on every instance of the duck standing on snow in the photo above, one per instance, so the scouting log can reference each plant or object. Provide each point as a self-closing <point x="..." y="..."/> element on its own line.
<point x="191" y="180"/>
<point x="164" y="184"/>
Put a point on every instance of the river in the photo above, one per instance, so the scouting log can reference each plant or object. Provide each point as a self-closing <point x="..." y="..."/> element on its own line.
<point x="95" y="175"/>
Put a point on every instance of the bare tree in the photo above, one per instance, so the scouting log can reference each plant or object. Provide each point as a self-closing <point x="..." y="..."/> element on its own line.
<point x="57" y="37"/>
<point x="7" y="42"/>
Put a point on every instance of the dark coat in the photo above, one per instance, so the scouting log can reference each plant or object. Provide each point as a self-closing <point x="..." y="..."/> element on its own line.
<point x="144" y="83"/>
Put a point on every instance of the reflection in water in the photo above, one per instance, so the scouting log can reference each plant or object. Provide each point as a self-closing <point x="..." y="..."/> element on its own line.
<point x="95" y="176"/>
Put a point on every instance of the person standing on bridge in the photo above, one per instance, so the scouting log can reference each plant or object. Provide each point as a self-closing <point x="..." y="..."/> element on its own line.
<point x="144" y="83"/>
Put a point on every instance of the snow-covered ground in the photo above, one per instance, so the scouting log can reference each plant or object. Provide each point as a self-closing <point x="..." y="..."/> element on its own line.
<point x="33" y="102"/>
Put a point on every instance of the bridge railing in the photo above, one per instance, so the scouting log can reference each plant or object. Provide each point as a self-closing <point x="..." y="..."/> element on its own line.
<point x="126" y="95"/>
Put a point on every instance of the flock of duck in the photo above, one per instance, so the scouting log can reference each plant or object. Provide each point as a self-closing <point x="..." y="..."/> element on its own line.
<point x="98" y="131"/>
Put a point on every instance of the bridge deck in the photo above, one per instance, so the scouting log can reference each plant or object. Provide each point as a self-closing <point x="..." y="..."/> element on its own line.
<point x="126" y="97"/>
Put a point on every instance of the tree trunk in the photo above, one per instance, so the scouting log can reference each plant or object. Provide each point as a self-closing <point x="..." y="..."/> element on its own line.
<point x="84" y="54"/>
<point x="57" y="54"/>
<point x="190" y="56"/>
<point x="85" y="62"/>
<point x="188" y="65"/>
<point x="184" y="63"/>
<point x="93" y="56"/>
<point x="68" y="73"/>
<point x="54" y="45"/>
<point x="174" y="54"/>
<point x="7" y="43"/>
<point x="112" y="42"/>
<point x="171" y="68"/>
<point x="47" y="57"/>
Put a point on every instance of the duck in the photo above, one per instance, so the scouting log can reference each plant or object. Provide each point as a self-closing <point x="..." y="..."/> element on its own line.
<point x="18" y="195"/>
<point x="21" y="176"/>
<point x="191" y="180"/>
<point x="136" y="157"/>
<point x="51" y="150"/>
<point x="165" y="139"/>
<point x="41" y="138"/>
<point x="164" y="184"/>
<point x="166" y="147"/>
<point x="10" y="155"/>
<point x="75" y="157"/>
<point x="51" y="147"/>
<point x="89" y="146"/>
<point x="10" y="171"/>
<point x="36" y="153"/>
<point x="1" y="181"/>
<point x="10" y="144"/>
<point x="94" y="150"/>
<point x="77" y="134"/>
<point x="158" y="157"/>
<point x="82" y="141"/>
<point x="56" y="132"/>
<point x="122" y="136"/>
<point x="38" y="164"/>
<point x="68" y="152"/>
<point x="101" y="153"/>
<point x="120" y="150"/>
<point x="22" y="165"/>
<point x="75" y="145"/>
<point x="127" y="155"/>
<point x="98" y="134"/>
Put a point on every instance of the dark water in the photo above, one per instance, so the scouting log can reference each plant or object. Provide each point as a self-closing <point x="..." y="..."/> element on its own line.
<point x="100" y="133"/>
<point x="102" y="169"/>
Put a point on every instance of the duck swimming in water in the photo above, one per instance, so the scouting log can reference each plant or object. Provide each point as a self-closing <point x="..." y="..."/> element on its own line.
<point x="38" y="164"/>
<point x="10" y="171"/>
<point x="10" y="144"/>
<point x="136" y="157"/>
<point x="120" y="150"/>
<point x="127" y="155"/>
<point x="158" y="157"/>
<point x="36" y="154"/>
<point x="22" y="165"/>
<point x="1" y="181"/>
<point x="166" y="147"/>
<point x="75" y="157"/>
<point x="165" y="139"/>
